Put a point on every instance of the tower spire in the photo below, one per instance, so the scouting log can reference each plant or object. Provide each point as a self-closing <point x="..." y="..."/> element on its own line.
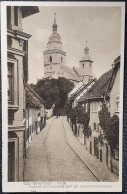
<point x="54" y="24"/>
<point x="86" y="49"/>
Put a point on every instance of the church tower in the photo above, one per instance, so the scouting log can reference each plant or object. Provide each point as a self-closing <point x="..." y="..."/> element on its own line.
<point x="53" y="56"/>
<point x="86" y="62"/>
<point x="85" y="71"/>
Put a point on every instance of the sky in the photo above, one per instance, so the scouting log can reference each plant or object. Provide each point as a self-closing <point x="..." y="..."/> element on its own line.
<point x="100" y="26"/>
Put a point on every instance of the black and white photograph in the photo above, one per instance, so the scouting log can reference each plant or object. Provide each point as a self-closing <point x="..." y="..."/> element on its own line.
<point x="62" y="96"/>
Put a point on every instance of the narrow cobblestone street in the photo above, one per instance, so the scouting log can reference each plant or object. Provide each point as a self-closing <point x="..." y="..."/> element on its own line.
<point x="49" y="157"/>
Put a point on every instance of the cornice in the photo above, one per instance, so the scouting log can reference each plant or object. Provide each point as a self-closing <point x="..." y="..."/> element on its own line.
<point x="16" y="51"/>
<point x="18" y="34"/>
<point x="54" y="50"/>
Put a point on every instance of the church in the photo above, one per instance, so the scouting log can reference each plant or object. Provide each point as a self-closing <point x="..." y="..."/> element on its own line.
<point x="55" y="61"/>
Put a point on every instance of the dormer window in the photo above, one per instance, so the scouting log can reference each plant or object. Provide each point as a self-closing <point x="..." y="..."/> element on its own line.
<point x="50" y="58"/>
<point x="15" y="15"/>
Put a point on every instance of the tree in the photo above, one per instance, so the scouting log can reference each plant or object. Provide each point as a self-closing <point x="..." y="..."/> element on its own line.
<point x="79" y="115"/>
<point x="53" y="91"/>
<point x="110" y="127"/>
<point x="64" y="87"/>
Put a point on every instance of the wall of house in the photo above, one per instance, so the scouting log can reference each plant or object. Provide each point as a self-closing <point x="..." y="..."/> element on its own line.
<point x="17" y="106"/>
<point x="33" y="123"/>
<point x="101" y="152"/>
<point x="114" y="95"/>
<point x="114" y="109"/>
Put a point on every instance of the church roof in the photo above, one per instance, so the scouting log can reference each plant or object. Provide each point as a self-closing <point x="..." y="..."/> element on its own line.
<point x="86" y="57"/>
<point x="82" y="72"/>
<point x="54" y="37"/>
<point x="70" y="73"/>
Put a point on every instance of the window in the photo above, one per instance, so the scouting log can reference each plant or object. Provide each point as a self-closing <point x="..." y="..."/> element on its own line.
<point x="86" y="107"/>
<point x="83" y="65"/>
<point x="15" y="15"/>
<point x="50" y="58"/>
<point x="90" y="65"/>
<point x="117" y="103"/>
<point x="8" y="16"/>
<point x="98" y="127"/>
<point x="10" y="82"/>
<point x="92" y="106"/>
<point x="116" y="154"/>
<point x="94" y="126"/>
<point x="61" y="59"/>
<point x="95" y="106"/>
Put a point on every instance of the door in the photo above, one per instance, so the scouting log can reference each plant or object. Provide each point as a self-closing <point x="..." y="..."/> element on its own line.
<point x="95" y="146"/>
<point x="106" y="154"/>
<point x="11" y="161"/>
<point x="90" y="147"/>
<point x="100" y="155"/>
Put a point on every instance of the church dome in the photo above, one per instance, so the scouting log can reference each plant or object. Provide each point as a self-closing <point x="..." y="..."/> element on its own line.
<point x="55" y="37"/>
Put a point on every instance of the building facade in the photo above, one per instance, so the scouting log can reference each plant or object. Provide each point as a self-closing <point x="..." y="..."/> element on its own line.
<point x="105" y="91"/>
<point x="35" y="114"/>
<point x="17" y="62"/>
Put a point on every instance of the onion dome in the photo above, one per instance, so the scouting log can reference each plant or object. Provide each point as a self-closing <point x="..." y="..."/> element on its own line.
<point x="54" y="36"/>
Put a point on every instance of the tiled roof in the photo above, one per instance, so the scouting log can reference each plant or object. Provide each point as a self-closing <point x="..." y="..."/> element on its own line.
<point x="99" y="88"/>
<point x="70" y="73"/>
<point x="32" y="98"/>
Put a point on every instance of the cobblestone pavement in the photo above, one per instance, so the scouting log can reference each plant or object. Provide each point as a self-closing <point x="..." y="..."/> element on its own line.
<point x="49" y="157"/>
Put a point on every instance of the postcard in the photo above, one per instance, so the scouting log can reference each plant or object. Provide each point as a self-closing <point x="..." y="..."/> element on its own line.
<point x="62" y="96"/>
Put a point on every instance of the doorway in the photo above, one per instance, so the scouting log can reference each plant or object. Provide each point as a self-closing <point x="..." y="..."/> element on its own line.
<point x="11" y="161"/>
